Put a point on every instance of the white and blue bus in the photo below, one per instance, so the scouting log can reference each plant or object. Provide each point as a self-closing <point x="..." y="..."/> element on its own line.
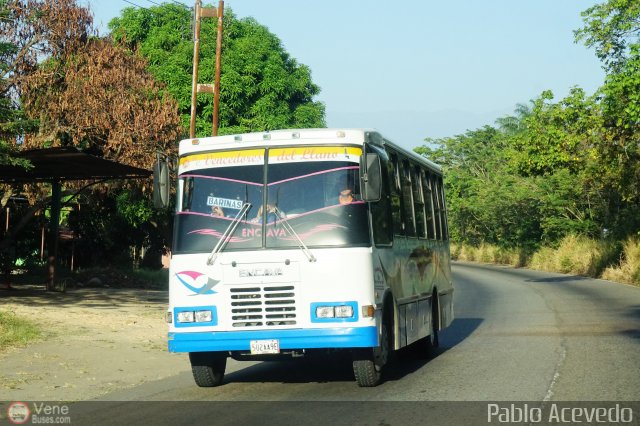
<point x="294" y="242"/>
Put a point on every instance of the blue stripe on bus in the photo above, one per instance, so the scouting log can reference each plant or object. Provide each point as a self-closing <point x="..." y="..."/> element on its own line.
<point x="352" y="337"/>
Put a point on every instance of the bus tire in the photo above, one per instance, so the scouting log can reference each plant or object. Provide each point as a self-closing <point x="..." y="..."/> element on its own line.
<point x="432" y="340"/>
<point x="208" y="368"/>
<point x="366" y="373"/>
<point x="368" y="364"/>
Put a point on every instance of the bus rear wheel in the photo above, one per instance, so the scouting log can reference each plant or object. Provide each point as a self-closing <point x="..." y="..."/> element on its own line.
<point x="208" y="368"/>
<point x="427" y="346"/>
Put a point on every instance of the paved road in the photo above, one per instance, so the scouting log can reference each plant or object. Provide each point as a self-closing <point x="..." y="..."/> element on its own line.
<point x="519" y="335"/>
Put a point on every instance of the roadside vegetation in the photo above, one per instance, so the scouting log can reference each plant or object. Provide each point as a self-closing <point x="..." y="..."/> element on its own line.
<point x="577" y="255"/>
<point x="556" y="185"/>
<point x="16" y="331"/>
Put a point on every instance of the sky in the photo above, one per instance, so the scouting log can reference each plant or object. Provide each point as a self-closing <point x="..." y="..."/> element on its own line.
<point x="416" y="69"/>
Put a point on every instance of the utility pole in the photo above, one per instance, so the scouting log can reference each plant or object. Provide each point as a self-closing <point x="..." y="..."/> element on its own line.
<point x="206" y="12"/>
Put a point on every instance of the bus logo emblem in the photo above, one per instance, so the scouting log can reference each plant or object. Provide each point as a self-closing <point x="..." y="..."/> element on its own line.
<point x="197" y="282"/>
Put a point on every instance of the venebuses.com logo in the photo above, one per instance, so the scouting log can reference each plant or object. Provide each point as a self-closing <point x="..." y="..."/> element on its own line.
<point x="18" y="413"/>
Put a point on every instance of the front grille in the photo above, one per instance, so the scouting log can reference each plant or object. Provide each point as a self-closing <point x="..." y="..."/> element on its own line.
<point x="269" y="305"/>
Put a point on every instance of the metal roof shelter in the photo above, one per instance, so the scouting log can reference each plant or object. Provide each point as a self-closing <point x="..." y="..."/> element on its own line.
<point x="67" y="164"/>
<point x="55" y="165"/>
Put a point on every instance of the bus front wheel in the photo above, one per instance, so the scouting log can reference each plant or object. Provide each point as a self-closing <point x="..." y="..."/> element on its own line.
<point x="208" y="368"/>
<point x="368" y="363"/>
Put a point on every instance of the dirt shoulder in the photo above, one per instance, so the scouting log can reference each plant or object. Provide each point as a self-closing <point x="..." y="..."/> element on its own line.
<point x="96" y="340"/>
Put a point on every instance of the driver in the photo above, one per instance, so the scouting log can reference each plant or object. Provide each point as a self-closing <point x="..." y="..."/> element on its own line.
<point x="346" y="196"/>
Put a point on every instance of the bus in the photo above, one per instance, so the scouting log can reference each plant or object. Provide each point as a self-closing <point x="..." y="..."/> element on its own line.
<point x="309" y="241"/>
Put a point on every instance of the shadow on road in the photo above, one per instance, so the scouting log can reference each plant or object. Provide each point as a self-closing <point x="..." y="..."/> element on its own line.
<point x="106" y="298"/>
<point x="337" y="367"/>
<point x="410" y="358"/>
<point x="634" y="314"/>
<point x="569" y="278"/>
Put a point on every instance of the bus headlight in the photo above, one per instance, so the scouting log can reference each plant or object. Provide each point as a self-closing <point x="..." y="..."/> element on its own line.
<point x="344" y="311"/>
<point x="196" y="316"/>
<point x="185" y="316"/>
<point x="203" y="316"/>
<point x="325" y="312"/>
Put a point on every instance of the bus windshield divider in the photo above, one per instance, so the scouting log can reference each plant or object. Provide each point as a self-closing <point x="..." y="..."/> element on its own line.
<point x="226" y="235"/>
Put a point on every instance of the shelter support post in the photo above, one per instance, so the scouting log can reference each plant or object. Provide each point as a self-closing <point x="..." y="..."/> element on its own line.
<point x="53" y="233"/>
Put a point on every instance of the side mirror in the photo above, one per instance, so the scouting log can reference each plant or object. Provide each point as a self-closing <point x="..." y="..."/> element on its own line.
<point x="161" y="184"/>
<point x="370" y="177"/>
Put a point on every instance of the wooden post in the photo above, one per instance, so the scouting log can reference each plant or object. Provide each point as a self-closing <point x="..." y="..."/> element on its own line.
<point x="42" y="244"/>
<point x="194" y="80"/>
<point x="205" y="12"/>
<point x="8" y="270"/>
<point x="53" y="233"/>
<point x="216" y="85"/>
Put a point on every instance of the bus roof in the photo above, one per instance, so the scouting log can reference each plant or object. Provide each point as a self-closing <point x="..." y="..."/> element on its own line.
<point x="297" y="136"/>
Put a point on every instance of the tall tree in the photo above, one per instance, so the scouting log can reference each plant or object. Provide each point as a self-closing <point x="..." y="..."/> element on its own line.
<point x="261" y="88"/>
<point x="88" y="93"/>
<point x="611" y="27"/>
<point x="557" y="134"/>
<point x="487" y="200"/>
<point x="102" y="99"/>
<point x="619" y="150"/>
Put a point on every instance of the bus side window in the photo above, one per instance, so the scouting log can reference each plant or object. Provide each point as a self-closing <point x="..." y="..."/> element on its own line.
<point x="407" y="201"/>
<point x="418" y="201"/>
<point x="396" y="213"/>
<point x="443" y="210"/>
<point x="428" y="207"/>
<point x="436" y="207"/>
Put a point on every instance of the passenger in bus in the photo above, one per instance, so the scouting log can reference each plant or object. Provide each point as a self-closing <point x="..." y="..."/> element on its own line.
<point x="217" y="211"/>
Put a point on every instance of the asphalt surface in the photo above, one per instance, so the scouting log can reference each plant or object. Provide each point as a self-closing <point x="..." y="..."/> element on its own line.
<point x="519" y="336"/>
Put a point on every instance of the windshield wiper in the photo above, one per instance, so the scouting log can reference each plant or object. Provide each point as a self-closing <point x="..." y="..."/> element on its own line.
<point x="226" y="235"/>
<point x="286" y="225"/>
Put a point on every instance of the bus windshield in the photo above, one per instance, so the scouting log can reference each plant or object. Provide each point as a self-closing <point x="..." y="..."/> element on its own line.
<point x="317" y="197"/>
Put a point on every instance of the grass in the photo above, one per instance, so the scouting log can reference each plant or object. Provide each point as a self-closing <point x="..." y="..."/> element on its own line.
<point x="487" y="253"/>
<point x="574" y="255"/>
<point x="16" y="331"/>
<point x="628" y="270"/>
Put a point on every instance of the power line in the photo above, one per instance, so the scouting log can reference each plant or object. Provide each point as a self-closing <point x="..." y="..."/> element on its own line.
<point x="181" y="4"/>
<point x="133" y="4"/>
<point x="156" y="3"/>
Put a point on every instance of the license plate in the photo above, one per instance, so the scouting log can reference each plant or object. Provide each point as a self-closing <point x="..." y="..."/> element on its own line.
<point x="259" y="347"/>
